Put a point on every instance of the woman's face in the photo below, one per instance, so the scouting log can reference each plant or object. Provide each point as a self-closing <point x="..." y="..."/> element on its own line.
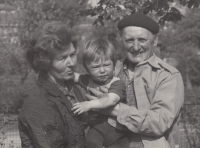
<point x="63" y="64"/>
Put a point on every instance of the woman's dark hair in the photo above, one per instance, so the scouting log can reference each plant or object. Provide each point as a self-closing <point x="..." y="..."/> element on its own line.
<point x="47" y="39"/>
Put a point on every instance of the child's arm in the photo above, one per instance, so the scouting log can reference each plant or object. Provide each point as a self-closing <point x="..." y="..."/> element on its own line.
<point x="109" y="100"/>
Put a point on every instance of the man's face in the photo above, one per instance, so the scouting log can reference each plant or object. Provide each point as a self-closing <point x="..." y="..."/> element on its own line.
<point x="63" y="64"/>
<point x="138" y="43"/>
<point x="101" y="70"/>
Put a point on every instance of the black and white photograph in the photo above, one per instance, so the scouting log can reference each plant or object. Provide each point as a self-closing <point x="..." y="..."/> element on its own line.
<point x="99" y="74"/>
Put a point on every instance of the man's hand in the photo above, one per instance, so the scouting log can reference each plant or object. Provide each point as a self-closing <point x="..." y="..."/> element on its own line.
<point x="81" y="107"/>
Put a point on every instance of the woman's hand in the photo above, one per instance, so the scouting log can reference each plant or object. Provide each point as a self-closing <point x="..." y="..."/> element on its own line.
<point x="81" y="107"/>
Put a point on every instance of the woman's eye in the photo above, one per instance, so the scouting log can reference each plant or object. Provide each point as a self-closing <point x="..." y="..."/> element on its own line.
<point x="73" y="55"/>
<point x="60" y="59"/>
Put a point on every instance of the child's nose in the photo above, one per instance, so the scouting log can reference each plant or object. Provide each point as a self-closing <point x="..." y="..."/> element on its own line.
<point x="102" y="69"/>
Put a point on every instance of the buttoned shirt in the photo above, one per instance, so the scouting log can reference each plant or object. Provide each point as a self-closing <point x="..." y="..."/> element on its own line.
<point x="68" y="92"/>
<point x="131" y="100"/>
<point x="124" y="76"/>
<point x="159" y="93"/>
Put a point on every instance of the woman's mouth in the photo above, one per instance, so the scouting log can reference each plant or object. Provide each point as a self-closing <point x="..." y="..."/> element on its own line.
<point x="69" y="72"/>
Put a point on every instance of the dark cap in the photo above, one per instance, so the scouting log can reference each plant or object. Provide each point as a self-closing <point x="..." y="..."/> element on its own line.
<point x="139" y="20"/>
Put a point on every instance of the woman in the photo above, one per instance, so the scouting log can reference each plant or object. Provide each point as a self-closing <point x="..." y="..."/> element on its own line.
<point x="46" y="119"/>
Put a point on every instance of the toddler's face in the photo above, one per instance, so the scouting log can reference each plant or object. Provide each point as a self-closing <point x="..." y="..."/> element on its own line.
<point x="101" y="70"/>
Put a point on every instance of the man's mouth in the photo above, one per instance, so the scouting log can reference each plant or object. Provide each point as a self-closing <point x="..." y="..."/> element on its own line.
<point x="137" y="53"/>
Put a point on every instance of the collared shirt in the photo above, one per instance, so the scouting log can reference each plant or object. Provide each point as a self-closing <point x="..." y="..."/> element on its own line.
<point x="69" y="93"/>
<point x="124" y="76"/>
<point x="159" y="93"/>
<point x="131" y="100"/>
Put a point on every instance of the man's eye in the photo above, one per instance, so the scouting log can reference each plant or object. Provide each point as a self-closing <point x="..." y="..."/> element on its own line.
<point x="129" y="40"/>
<point x="142" y="40"/>
<point x="95" y="67"/>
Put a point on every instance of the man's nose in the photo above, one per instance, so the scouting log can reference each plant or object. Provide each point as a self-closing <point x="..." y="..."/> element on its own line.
<point x="136" y="46"/>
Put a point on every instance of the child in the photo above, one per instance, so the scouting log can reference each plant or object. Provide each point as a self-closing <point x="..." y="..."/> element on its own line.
<point x="99" y="61"/>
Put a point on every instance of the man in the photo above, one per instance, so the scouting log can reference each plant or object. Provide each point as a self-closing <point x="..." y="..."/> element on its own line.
<point x="155" y="90"/>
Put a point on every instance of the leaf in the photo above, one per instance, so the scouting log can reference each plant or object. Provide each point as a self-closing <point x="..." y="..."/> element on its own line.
<point x="161" y="12"/>
<point x="162" y="21"/>
<point x="114" y="16"/>
<point x="193" y="4"/>
<point x="147" y="7"/>
<point x="81" y="2"/>
<point x="99" y="21"/>
<point x="183" y="2"/>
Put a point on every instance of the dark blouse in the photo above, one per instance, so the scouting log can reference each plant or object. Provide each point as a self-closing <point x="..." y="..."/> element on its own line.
<point x="46" y="119"/>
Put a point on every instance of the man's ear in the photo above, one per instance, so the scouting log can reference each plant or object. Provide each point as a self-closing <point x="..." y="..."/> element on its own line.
<point x="120" y="33"/>
<point x="155" y="42"/>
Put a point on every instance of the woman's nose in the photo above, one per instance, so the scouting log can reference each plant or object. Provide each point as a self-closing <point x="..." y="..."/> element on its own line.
<point x="70" y="62"/>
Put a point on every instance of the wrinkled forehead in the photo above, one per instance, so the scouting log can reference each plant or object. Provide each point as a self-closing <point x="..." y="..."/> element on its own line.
<point x="137" y="32"/>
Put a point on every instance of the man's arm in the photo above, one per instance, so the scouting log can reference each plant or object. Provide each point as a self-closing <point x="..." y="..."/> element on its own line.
<point x="164" y="109"/>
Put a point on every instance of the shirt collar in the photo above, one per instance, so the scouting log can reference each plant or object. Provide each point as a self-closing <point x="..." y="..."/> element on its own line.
<point x="153" y="61"/>
<point x="65" y="91"/>
<point x="51" y="87"/>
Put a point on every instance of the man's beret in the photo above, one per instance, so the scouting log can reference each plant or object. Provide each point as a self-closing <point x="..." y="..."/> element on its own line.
<point x="139" y="20"/>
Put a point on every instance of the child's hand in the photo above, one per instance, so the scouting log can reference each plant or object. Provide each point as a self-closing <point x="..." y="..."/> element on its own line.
<point x="80" y="107"/>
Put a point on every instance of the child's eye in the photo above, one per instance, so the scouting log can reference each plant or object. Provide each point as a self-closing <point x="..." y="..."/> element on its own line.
<point x="106" y="64"/>
<point x="95" y="67"/>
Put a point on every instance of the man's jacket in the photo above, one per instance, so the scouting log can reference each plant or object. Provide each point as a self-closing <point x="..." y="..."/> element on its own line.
<point x="159" y="92"/>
